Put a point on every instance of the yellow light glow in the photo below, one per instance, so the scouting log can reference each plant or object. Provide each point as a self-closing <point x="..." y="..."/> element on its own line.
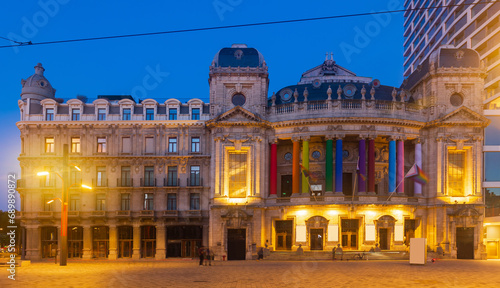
<point x="301" y="212"/>
<point x="86" y="187"/>
<point x="370" y="213"/>
<point x="43" y="173"/>
<point x="333" y="212"/>
<point x="237" y="200"/>
<point x="398" y="212"/>
<point x="77" y="168"/>
<point x="50" y="201"/>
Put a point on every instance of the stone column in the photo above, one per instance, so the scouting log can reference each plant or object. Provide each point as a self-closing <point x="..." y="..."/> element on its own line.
<point x="33" y="249"/>
<point x="362" y="166"/>
<point x="160" y="241"/>
<point x="338" y="165"/>
<point x="329" y="165"/>
<point x="392" y="165"/>
<point x="87" y="242"/>
<point x="113" y="242"/>
<point x="136" y="254"/>
<point x="400" y="166"/>
<point x="305" y="164"/>
<point x="418" y="161"/>
<point x="295" y="167"/>
<point x="371" y="165"/>
<point x="273" y="187"/>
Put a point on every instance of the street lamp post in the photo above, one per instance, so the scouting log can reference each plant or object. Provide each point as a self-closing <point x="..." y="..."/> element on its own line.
<point x="64" y="203"/>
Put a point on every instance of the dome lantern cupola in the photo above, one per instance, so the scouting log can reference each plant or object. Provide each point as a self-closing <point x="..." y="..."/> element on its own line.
<point x="37" y="86"/>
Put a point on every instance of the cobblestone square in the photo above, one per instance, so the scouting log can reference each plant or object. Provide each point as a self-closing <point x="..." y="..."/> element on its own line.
<point x="187" y="273"/>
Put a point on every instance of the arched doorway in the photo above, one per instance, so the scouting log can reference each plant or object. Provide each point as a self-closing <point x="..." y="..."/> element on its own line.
<point x="316" y="227"/>
<point x="385" y="228"/>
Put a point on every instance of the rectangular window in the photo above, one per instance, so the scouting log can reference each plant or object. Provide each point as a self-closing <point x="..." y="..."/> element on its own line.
<point x="101" y="114"/>
<point x="172" y="145"/>
<point x="171" y="202"/>
<point x="237" y="175"/>
<point x="195" y="176"/>
<point x="150" y="114"/>
<point x="148" y="201"/>
<point x="195" y="144"/>
<point x="456" y="172"/>
<point x="47" y="180"/>
<point x="125" y="202"/>
<point x="100" y="204"/>
<point x="75" y="145"/>
<point x="49" y="145"/>
<point x="75" y="177"/>
<point x="101" y="176"/>
<point x="48" y="206"/>
<point x="150" y="145"/>
<point x="75" y="114"/>
<point x="74" y="202"/>
<point x="101" y="144"/>
<point x="126" y="180"/>
<point x="49" y="114"/>
<point x="172" y="176"/>
<point x="172" y="114"/>
<point x="194" y="201"/>
<point x="195" y="114"/>
<point x="126" y="114"/>
<point x="149" y="176"/>
<point x="126" y="145"/>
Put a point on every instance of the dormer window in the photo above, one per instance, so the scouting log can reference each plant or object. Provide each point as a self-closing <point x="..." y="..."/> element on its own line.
<point x="126" y="114"/>
<point x="75" y="114"/>
<point x="49" y="114"/>
<point x="101" y="114"/>
<point x="195" y="114"/>
<point x="150" y="114"/>
<point x="172" y="114"/>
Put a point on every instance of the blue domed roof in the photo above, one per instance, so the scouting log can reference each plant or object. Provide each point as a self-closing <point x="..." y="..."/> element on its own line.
<point x="239" y="55"/>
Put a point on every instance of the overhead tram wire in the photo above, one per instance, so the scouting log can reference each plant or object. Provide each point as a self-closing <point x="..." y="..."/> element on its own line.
<point x="239" y="25"/>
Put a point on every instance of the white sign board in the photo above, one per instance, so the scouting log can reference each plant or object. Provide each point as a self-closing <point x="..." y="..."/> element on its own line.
<point x="300" y="233"/>
<point x="333" y="233"/>
<point x="399" y="232"/>
<point x="370" y="232"/>
<point x="317" y="187"/>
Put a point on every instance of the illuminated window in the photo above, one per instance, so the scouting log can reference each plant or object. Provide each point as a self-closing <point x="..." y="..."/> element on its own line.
<point x="101" y="144"/>
<point x="49" y="145"/>
<point x="237" y="175"/>
<point x="456" y="172"/>
<point x="148" y="201"/>
<point x="75" y="145"/>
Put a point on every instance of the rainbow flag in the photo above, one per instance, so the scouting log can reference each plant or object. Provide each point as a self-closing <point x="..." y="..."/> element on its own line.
<point x="359" y="173"/>
<point x="307" y="173"/>
<point x="416" y="174"/>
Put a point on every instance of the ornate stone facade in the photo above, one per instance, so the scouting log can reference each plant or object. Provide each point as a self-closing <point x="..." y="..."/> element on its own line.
<point x="302" y="167"/>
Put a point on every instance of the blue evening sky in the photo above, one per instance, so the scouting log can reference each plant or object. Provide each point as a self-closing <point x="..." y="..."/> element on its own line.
<point x="366" y="45"/>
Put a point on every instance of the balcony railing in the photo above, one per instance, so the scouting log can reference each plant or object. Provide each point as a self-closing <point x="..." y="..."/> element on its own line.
<point x="170" y="213"/>
<point x="124" y="182"/>
<point x="151" y="182"/>
<point x="171" y="182"/>
<point x="123" y="213"/>
<point x="100" y="183"/>
<point x="194" y="182"/>
<point x="100" y="213"/>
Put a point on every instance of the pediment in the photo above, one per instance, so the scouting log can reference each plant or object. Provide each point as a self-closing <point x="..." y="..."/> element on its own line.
<point x="237" y="116"/>
<point x="462" y="116"/>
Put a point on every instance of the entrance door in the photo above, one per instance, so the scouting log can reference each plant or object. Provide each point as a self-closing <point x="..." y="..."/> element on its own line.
<point x="236" y="242"/>
<point x="383" y="239"/>
<point x="347" y="184"/>
<point x="125" y="249"/>
<point x="349" y="234"/>
<point x="465" y="243"/>
<point x="148" y="248"/>
<point x="316" y="239"/>
<point x="283" y="241"/>
<point x="286" y="185"/>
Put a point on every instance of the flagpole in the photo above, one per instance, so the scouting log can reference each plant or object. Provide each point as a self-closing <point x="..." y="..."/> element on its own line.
<point x="395" y="189"/>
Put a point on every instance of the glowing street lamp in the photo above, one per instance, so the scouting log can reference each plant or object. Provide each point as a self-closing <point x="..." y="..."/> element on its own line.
<point x="64" y="202"/>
